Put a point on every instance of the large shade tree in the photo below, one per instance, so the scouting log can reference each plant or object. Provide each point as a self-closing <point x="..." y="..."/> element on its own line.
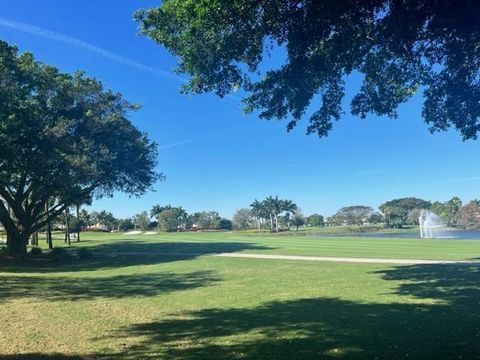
<point x="242" y="219"/>
<point x="396" y="211"/>
<point x="63" y="138"/>
<point x="315" y="220"/>
<point x="141" y="220"/>
<point x="353" y="215"/>
<point x="399" y="47"/>
<point x="172" y="218"/>
<point x="407" y="203"/>
<point x="469" y="216"/>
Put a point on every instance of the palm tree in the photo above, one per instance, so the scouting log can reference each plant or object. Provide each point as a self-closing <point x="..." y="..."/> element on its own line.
<point x="156" y="210"/>
<point x="277" y="210"/>
<point x="106" y="219"/>
<point x="289" y="207"/>
<point x="257" y="210"/>
<point x="273" y="206"/>
<point x="86" y="200"/>
<point x="268" y="206"/>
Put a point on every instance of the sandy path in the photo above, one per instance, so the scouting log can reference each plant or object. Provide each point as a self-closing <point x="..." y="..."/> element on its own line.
<point x="303" y="258"/>
<point x="347" y="259"/>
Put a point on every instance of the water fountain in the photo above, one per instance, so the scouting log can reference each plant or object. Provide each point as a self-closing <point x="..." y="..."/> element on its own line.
<point x="431" y="226"/>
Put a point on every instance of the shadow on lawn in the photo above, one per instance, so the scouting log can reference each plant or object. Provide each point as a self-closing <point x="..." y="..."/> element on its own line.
<point x="38" y="356"/>
<point x="129" y="253"/>
<point x="446" y="325"/>
<point x="457" y="284"/>
<point x="81" y="288"/>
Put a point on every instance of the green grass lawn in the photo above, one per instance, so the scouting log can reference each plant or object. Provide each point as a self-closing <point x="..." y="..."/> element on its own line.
<point x="195" y="306"/>
<point x="285" y="243"/>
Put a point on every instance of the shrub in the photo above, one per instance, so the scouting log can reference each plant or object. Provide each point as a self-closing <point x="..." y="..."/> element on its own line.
<point x="59" y="254"/>
<point x="84" y="253"/>
<point x="225" y="224"/>
<point x="35" y="251"/>
<point x="95" y="230"/>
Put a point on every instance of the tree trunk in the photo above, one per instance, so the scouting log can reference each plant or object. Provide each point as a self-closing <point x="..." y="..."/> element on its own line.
<point x="67" y="226"/>
<point x="17" y="245"/>
<point x="276" y="223"/>
<point x="49" y="235"/>
<point x="78" y="224"/>
<point x="49" y="229"/>
<point x="34" y="238"/>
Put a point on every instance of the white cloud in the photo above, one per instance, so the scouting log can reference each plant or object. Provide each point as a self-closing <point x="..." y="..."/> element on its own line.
<point x="187" y="141"/>
<point x="179" y="143"/>
<point x="52" y="35"/>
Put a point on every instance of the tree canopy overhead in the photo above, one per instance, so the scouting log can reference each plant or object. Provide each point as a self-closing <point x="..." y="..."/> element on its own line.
<point x="398" y="46"/>
<point x="63" y="138"/>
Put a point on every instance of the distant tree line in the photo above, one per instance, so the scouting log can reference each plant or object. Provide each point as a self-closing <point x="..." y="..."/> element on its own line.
<point x="275" y="213"/>
<point x="167" y="218"/>
<point x="406" y="211"/>
<point x="272" y="214"/>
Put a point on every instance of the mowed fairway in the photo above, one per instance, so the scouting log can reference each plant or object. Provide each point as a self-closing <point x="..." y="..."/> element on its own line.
<point x="165" y="297"/>
<point x="285" y="243"/>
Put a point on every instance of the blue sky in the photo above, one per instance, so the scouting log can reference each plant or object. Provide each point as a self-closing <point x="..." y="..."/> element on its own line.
<point x="217" y="158"/>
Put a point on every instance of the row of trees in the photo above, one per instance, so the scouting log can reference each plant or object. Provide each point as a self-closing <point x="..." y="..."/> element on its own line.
<point x="244" y="218"/>
<point x="166" y="218"/>
<point x="175" y="219"/>
<point x="401" y="212"/>
<point x="170" y="218"/>
<point x="269" y="210"/>
<point x="279" y="213"/>
<point x="406" y="211"/>
<point x="395" y="213"/>
<point x="355" y="215"/>
<point x="274" y="214"/>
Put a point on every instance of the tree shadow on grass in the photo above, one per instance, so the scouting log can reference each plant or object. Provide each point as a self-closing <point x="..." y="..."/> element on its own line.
<point x="436" y="315"/>
<point x="39" y="356"/>
<point x="320" y="328"/>
<point x="128" y="253"/>
<point x="457" y="285"/>
<point x="59" y="288"/>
